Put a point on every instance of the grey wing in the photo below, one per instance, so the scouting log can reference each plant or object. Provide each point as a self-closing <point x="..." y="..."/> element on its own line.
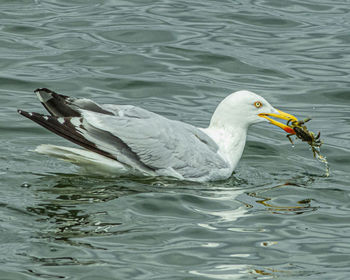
<point x="160" y="143"/>
<point x="131" y="135"/>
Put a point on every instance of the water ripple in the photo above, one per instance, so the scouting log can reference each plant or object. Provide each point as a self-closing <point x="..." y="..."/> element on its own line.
<point x="277" y="217"/>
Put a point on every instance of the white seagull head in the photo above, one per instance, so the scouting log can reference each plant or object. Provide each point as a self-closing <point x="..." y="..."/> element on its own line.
<point x="244" y="108"/>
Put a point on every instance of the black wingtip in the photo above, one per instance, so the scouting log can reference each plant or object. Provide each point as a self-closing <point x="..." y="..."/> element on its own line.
<point x="66" y="129"/>
<point x="43" y="89"/>
<point x="50" y="92"/>
<point x="27" y="114"/>
<point x="19" y="111"/>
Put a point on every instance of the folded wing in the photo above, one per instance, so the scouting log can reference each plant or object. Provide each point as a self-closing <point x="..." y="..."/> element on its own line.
<point x="130" y="135"/>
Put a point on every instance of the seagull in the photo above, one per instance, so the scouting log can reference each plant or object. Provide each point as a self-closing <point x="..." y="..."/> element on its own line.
<point x="120" y="140"/>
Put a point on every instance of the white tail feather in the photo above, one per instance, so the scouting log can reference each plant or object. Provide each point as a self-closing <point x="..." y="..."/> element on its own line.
<point x="90" y="162"/>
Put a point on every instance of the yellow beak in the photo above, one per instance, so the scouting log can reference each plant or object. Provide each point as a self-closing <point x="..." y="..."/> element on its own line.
<point x="283" y="116"/>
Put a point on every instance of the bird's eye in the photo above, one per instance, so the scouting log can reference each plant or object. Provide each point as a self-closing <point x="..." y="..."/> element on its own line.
<point x="257" y="104"/>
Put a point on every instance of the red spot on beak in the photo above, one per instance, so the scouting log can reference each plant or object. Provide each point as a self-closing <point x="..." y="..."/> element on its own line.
<point x="289" y="130"/>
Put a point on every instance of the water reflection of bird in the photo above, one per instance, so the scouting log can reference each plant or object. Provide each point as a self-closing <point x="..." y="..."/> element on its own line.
<point x="124" y="139"/>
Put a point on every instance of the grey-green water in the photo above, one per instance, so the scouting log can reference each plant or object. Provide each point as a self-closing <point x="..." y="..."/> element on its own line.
<point x="277" y="217"/>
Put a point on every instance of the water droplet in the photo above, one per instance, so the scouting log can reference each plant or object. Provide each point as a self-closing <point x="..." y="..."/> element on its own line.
<point x="26" y="185"/>
<point x="323" y="159"/>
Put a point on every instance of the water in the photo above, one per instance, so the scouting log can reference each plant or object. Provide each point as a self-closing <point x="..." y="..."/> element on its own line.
<point x="278" y="217"/>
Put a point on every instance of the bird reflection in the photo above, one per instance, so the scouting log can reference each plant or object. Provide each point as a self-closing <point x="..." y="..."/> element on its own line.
<point x="77" y="206"/>
<point x="67" y="204"/>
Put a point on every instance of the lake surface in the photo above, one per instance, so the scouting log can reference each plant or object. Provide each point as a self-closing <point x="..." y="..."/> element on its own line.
<point x="278" y="217"/>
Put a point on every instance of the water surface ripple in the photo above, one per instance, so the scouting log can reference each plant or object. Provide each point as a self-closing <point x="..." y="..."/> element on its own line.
<point x="278" y="217"/>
